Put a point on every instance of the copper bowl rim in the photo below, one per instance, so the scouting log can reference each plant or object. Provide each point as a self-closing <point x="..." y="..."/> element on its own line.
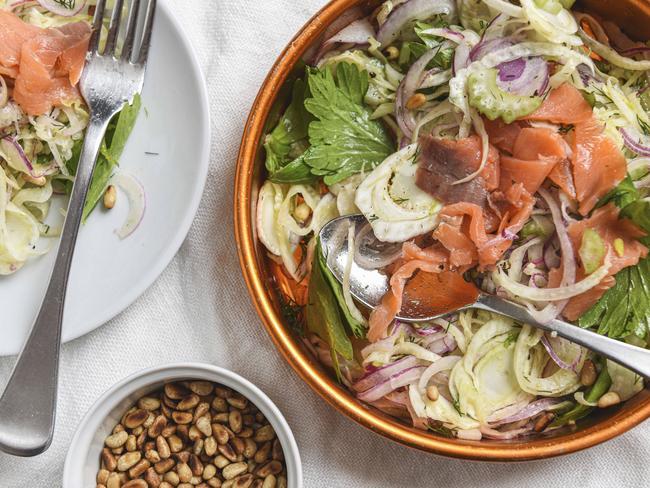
<point x="300" y="361"/>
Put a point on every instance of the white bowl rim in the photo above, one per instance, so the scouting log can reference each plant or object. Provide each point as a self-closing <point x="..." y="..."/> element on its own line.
<point x="83" y="437"/>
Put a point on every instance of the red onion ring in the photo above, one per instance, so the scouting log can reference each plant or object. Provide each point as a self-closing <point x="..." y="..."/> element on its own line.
<point x="635" y="141"/>
<point x="374" y="377"/>
<point x="504" y="436"/>
<point x="486" y="46"/>
<point x="557" y="360"/>
<point x="402" y="378"/>
<point x="406" y="89"/>
<point x="530" y="410"/>
<point x="11" y="145"/>
<point x="356" y="33"/>
<point x="408" y="12"/>
<point x="524" y="76"/>
<point x="552" y="310"/>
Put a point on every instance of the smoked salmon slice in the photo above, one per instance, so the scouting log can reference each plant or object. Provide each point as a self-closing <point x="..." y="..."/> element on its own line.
<point x="606" y="222"/>
<point x="563" y="105"/>
<point x="552" y="153"/>
<point x="503" y="136"/>
<point x="46" y="63"/>
<point x="442" y="162"/>
<point x="430" y="260"/>
<point x="598" y="165"/>
<point x="13" y="34"/>
<point x="531" y="174"/>
<point x="516" y="205"/>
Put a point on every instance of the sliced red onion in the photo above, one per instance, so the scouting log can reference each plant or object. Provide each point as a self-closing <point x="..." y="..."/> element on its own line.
<point x="410" y="11"/>
<point x="358" y="32"/>
<point x="529" y="411"/>
<point x="386" y="344"/>
<point x="496" y="27"/>
<point x="377" y="375"/>
<point x="18" y="160"/>
<point x="556" y="358"/>
<point x="524" y="76"/>
<point x="442" y="346"/>
<point x="551" y="258"/>
<point x="461" y="57"/>
<point x="487" y="46"/>
<point x="343" y="20"/>
<point x="407" y="88"/>
<point x="59" y="7"/>
<point x="538" y="280"/>
<point x="505" y="435"/>
<point x="635" y="141"/>
<point x="552" y="310"/>
<point x="137" y="203"/>
<point x="402" y="378"/>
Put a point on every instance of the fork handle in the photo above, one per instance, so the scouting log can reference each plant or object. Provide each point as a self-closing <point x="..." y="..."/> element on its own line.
<point x="632" y="357"/>
<point x="27" y="406"/>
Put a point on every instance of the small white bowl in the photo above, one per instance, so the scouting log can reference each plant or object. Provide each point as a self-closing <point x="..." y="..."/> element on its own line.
<point x="82" y="461"/>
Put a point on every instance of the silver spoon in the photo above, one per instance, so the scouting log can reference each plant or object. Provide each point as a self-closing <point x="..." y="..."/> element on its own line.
<point x="369" y="286"/>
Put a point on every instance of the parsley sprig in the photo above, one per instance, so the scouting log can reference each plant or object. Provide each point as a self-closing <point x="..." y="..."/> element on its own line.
<point x="343" y="139"/>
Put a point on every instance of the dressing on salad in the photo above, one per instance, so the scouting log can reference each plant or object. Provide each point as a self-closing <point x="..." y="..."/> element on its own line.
<point x="508" y="142"/>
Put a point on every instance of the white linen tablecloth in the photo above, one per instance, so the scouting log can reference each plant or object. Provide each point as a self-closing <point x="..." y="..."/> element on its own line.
<point x="198" y="310"/>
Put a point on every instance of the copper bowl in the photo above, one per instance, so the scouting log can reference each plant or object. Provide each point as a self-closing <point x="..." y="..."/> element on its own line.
<point x="262" y="279"/>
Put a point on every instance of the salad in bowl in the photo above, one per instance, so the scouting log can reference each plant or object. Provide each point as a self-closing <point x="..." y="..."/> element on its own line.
<point x="507" y="142"/>
<point x="43" y="118"/>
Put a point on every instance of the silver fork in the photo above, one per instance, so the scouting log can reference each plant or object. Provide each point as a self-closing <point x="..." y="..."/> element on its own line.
<point x="108" y="82"/>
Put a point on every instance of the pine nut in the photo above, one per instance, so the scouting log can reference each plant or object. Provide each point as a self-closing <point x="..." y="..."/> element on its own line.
<point x="116" y="440"/>
<point x="415" y="101"/>
<point x="128" y="460"/>
<point x="432" y="393"/>
<point x="201" y="388"/>
<point x="188" y="402"/>
<point x="149" y="403"/>
<point x="233" y="470"/>
<point x="588" y="373"/>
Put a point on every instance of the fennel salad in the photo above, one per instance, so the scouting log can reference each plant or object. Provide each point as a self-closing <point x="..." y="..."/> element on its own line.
<point x="505" y="141"/>
<point x="43" y="118"/>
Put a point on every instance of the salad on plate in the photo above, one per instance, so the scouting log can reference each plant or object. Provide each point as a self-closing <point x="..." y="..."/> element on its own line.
<point x="504" y="141"/>
<point x="43" y="117"/>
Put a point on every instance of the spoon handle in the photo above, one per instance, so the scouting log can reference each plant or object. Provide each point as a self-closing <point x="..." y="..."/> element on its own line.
<point x="632" y="357"/>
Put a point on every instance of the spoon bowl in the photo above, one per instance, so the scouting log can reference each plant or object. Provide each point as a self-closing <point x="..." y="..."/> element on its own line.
<point x="426" y="296"/>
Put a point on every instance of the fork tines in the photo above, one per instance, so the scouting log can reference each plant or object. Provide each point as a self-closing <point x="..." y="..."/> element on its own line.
<point x="137" y="9"/>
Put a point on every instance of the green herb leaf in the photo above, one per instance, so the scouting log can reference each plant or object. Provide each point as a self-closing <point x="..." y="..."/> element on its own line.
<point x="624" y="194"/>
<point x="297" y="171"/>
<point x="117" y="134"/>
<point x="345" y="141"/>
<point x="324" y="318"/>
<point x="598" y="389"/>
<point x="624" y="309"/>
<point x="355" y="327"/>
<point x="291" y="130"/>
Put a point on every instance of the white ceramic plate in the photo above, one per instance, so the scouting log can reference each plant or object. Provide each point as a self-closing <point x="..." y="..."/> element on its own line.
<point x="108" y="274"/>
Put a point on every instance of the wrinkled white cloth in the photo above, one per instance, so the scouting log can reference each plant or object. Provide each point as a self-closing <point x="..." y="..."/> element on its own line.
<point x="198" y="310"/>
